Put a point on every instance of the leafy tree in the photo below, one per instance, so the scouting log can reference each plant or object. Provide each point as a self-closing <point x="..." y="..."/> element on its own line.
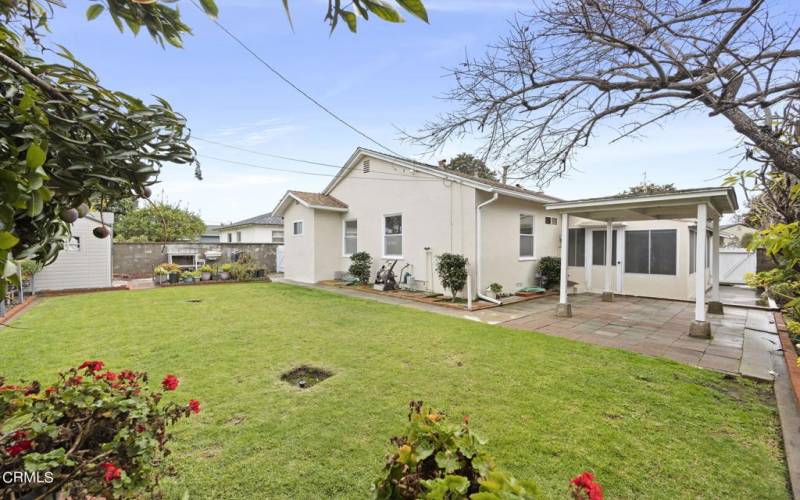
<point x="350" y="12"/>
<point x="160" y="221"/>
<point x="452" y="271"/>
<point x="467" y="164"/>
<point x="361" y="266"/>
<point x="649" y="188"/>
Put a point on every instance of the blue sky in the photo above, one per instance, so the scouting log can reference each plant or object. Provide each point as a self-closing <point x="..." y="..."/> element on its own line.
<point x="384" y="78"/>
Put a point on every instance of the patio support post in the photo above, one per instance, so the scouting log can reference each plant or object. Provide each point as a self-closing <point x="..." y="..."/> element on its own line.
<point x="700" y="327"/>
<point x="715" y="305"/>
<point x="564" y="308"/>
<point x="608" y="295"/>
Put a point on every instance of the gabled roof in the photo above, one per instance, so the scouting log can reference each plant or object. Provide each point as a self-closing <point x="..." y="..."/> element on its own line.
<point x="317" y="201"/>
<point x="259" y="220"/>
<point x="476" y="182"/>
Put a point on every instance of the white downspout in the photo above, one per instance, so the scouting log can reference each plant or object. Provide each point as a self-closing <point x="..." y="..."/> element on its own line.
<point x="478" y="250"/>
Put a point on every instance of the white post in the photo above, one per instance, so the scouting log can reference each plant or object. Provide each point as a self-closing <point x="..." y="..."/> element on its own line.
<point x="469" y="292"/>
<point x="608" y="296"/>
<point x="715" y="305"/>
<point x="564" y="309"/>
<point x="699" y="327"/>
<point x="587" y="262"/>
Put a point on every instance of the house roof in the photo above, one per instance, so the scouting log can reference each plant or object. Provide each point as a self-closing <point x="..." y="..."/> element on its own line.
<point x="680" y="204"/>
<point x="267" y="219"/>
<point x="477" y="182"/>
<point x="317" y="201"/>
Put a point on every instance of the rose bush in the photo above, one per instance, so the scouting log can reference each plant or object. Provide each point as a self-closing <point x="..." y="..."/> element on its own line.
<point x="92" y="433"/>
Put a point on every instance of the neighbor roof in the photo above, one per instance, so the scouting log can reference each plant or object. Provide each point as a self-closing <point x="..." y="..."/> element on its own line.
<point x="259" y="220"/>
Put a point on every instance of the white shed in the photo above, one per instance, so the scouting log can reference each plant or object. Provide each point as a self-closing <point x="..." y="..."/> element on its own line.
<point x="84" y="263"/>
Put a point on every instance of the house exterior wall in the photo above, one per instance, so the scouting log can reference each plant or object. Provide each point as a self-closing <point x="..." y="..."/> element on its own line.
<point x="327" y="244"/>
<point x="500" y="227"/>
<point x="736" y="233"/>
<point x="299" y="256"/>
<point x="250" y="234"/>
<point x="89" y="266"/>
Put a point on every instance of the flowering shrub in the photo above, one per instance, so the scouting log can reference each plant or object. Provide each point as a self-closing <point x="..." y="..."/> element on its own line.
<point x="93" y="433"/>
<point x="435" y="459"/>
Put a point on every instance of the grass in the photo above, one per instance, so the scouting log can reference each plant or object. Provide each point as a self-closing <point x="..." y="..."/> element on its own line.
<point x="549" y="407"/>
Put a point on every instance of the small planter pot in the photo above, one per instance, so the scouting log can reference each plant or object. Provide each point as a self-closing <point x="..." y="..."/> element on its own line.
<point x="206" y="277"/>
<point x="160" y="279"/>
<point x="224" y="276"/>
<point x="215" y="277"/>
<point x="174" y="277"/>
<point x="188" y="281"/>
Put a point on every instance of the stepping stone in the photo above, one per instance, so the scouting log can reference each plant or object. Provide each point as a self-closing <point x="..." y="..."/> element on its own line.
<point x="761" y="321"/>
<point x="757" y="354"/>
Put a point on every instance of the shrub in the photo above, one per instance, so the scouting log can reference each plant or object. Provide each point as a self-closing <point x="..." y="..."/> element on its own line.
<point x="187" y="274"/>
<point x="171" y="268"/>
<point x="205" y="268"/>
<point x="160" y="271"/>
<point x="496" y="288"/>
<point x="452" y="271"/>
<point x="550" y="270"/>
<point x="94" y="433"/>
<point x="30" y="268"/>
<point x="361" y="266"/>
<point x="436" y="459"/>
<point x="226" y="268"/>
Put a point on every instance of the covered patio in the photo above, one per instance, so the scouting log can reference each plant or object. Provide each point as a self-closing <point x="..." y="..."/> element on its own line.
<point x="705" y="206"/>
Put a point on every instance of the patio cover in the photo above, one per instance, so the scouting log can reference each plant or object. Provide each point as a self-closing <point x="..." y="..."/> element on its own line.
<point x="702" y="204"/>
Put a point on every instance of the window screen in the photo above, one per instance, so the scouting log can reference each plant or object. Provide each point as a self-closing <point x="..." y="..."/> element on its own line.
<point x="576" y="249"/>
<point x="297" y="227"/>
<point x="393" y="235"/>
<point x="637" y="252"/>
<point x="525" y="235"/>
<point x="599" y="248"/>
<point x="692" y="252"/>
<point x="663" y="251"/>
<point x="350" y="237"/>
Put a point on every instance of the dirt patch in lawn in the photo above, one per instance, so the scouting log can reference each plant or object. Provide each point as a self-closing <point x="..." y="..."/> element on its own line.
<point x="305" y="376"/>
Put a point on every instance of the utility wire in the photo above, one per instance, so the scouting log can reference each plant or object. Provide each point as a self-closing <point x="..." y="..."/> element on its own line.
<point x="269" y="155"/>
<point x="291" y="84"/>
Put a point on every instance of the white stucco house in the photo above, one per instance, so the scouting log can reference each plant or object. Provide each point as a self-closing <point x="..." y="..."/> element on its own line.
<point x="398" y="209"/>
<point x="264" y="228"/>
<point x="84" y="263"/>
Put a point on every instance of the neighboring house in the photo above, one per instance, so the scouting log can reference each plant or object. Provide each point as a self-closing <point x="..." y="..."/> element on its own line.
<point x="732" y="234"/>
<point x="210" y="235"/>
<point x="396" y="209"/>
<point x="85" y="262"/>
<point x="265" y="228"/>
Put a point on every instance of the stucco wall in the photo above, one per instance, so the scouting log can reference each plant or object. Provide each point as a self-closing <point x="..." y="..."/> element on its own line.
<point x="250" y="234"/>
<point x="88" y="266"/>
<point x="139" y="259"/>
<point x="299" y="255"/>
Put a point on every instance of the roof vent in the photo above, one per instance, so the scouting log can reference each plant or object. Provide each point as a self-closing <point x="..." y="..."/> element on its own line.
<point x="365" y="166"/>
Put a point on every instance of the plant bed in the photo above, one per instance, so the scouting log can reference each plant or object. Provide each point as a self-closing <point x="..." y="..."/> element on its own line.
<point x="265" y="279"/>
<point x="305" y="376"/>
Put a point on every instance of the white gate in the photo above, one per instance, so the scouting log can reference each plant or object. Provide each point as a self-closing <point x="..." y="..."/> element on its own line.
<point x="279" y="259"/>
<point x="734" y="263"/>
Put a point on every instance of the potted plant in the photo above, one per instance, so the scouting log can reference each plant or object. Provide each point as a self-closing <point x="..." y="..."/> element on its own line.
<point x="496" y="289"/>
<point x="197" y="276"/>
<point x="187" y="277"/>
<point x="160" y="275"/>
<point x="225" y="271"/>
<point x="205" y="272"/>
<point x="173" y="271"/>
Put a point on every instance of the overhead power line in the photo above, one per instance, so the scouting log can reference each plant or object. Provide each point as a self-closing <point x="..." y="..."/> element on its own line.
<point x="292" y="84"/>
<point x="268" y="155"/>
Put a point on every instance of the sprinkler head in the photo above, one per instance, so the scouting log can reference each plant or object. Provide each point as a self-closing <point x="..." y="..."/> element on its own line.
<point x="302" y="384"/>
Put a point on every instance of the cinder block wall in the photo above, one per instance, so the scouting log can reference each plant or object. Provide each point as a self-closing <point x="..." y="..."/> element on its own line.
<point x="139" y="259"/>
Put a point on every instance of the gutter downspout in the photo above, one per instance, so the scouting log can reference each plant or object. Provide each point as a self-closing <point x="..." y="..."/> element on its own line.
<point x="478" y="249"/>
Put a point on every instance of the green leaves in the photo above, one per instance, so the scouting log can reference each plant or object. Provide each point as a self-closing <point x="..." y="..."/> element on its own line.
<point x="210" y="8"/>
<point x="415" y="7"/>
<point x="383" y="10"/>
<point x="93" y="11"/>
<point x="363" y="8"/>
<point x="35" y="157"/>
<point x="7" y="240"/>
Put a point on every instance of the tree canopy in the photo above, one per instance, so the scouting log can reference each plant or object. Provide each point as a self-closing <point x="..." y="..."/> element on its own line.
<point x="645" y="187"/>
<point x="159" y="221"/>
<point x="467" y="164"/>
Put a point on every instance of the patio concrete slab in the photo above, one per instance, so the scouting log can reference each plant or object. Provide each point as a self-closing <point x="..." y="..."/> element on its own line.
<point x="757" y="354"/>
<point x="761" y="323"/>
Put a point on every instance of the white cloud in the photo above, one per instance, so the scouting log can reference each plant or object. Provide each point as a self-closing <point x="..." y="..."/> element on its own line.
<point x="255" y="133"/>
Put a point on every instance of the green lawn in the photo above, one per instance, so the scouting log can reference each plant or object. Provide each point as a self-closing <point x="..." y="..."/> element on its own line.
<point x="549" y="407"/>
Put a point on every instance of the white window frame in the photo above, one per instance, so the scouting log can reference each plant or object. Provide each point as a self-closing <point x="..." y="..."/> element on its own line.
<point x="344" y="236"/>
<point x="532" y="236"/>
<point x="272" y="236"/>
<point x="302" y="228"/>
<point x="238" y="236"/>
<point x="383" y="234"/>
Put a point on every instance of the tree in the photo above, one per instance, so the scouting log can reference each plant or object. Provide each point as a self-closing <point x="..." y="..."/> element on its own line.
<point x="452" y="270"/>
<point x="540" y="93"/>
<point x="361" y="266"/>
<point x="467" y="164"/>
<point x="159" y="221"/>
<point x="648" y="188"/>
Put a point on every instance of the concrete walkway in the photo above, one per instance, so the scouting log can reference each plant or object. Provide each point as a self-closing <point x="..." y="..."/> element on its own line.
<point x="743" y="339"/>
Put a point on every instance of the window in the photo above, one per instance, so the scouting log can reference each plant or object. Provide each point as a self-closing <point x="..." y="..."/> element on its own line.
<point x="551" y="220"/>
<point x="350" y="237"/>
<point x="576" y="249"/>
<point x="238" y="236"/>
<point x="393" y="235"/>
<point x="297" y="228"/>
<point x="74" y="244"/>
<point x="230" y="237"/>
<point x="599" y="248"/>
<point x="651" y="252"/>
<point x="525" y="236"/>
<point x="277" y="236"/>
<point x="692" y="251"/>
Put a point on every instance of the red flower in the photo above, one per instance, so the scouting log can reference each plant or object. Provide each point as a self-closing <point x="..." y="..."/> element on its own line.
<point x="127" y="375"/>
<point x="94" y="366"/>
<point x="170" y="383"/>
<point x="585" y="487"/>
<point x="110" y="376"/>
<point x="74" y="380"/>
<point x="21" y="443"/>
<point x="194" y="405"/>
<point x="112" y="472"/>
<point x="10" y="388"/>
<point x="50" y="390"/>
